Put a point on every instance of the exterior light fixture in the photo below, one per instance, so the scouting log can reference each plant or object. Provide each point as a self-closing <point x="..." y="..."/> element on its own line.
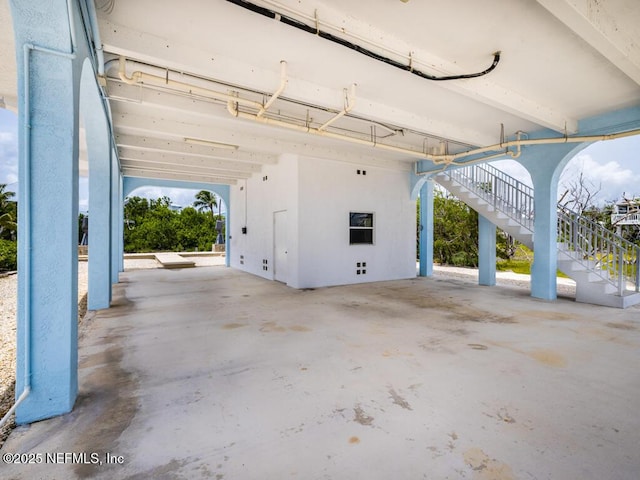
<point x="207" y="143"/>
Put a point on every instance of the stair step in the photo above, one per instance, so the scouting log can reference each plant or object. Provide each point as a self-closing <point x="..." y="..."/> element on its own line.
<point x="593" y="285"/>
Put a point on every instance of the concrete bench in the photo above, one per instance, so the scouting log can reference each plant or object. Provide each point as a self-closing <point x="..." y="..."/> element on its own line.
<point x="173" y="260"/>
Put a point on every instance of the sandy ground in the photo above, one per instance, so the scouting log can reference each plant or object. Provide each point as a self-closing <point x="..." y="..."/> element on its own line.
<point x="8" y="286"/>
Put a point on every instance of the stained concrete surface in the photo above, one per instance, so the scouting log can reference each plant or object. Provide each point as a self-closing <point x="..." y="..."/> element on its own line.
<point x="216" y="374"/>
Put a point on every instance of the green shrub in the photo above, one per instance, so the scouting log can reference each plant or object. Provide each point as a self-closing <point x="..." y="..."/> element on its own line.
<point x="8" y="255"/>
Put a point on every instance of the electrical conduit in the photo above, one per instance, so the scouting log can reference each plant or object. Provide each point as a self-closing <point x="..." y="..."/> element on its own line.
<point x="139" y="77"/>
<point x="283" y="84"/>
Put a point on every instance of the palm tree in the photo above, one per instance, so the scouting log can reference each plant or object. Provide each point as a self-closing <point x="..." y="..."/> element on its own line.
<point x="7" y="210"/>
<point x="206" y="200"/>
<point x="4" y="198"/>
<point x="7" y="223"/>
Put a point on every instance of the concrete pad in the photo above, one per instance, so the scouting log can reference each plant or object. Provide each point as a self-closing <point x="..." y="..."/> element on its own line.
<point x="214" y="373"/>
<point x="173" y="260"/>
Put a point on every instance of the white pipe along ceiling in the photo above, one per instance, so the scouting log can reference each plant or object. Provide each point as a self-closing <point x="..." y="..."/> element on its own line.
<point x="290" y="86"/>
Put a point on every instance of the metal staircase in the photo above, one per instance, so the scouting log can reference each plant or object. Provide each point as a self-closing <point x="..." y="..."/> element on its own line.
<point x="603" y="264"/>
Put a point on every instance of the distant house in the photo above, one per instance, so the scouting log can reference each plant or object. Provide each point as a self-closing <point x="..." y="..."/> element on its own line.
<point x="626" y="212"/>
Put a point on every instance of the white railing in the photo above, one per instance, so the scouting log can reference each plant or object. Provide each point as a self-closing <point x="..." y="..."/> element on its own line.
<point x="625" y="219"/>
<point x="500" y="190"/>
<point x="603" y="252"/>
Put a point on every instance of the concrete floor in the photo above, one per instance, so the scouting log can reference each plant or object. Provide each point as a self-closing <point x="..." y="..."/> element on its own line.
<point x="216" y="374"/>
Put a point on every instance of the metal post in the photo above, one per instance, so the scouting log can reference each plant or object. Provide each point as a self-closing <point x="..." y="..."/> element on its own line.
<point x="637" y="269"/>
<point x="621" y="278"/>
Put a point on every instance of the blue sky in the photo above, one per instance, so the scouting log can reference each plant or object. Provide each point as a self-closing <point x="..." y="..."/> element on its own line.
<point x="613" y="167"/>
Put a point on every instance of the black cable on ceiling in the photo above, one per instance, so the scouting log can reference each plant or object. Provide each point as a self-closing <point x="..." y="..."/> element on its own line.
<point x="365" y="51"/>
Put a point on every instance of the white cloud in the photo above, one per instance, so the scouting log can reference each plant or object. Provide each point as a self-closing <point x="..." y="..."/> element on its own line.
<point x="610" y="177"/>
<point x="8" y="158"/>
<point x="515" y="170"/>
<point x="179" y="196"/>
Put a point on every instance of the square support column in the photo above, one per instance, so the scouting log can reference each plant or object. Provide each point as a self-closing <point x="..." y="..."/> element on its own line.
<point x="47" y="311"/>
<point x="99" y="295"/>
<point x="116" y="228"/>
<point x="426" y="229"/>
<point x="544" y="163"/>
<point x="545" y="241"/>
<point x="120" y="227"/>
<point x="486" y="252"/>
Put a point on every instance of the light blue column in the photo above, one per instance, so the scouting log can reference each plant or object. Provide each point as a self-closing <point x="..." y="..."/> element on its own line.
<point x="486" y="252"/>
<point x="227" y="244"/>
<point x="47" y="310"/>
<point x="121" y="196"/>
<point x="116" y="195"/>
<point x="545" y="163"/>
<point x="426" y="229"/>
<point x="100" y="194"/>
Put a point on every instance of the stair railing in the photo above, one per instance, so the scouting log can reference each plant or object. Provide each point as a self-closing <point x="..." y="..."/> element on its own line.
<point x="503" y="192"/>
<point x="602" y="251"/>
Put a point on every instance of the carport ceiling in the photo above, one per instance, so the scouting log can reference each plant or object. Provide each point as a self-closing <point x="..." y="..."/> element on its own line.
<point x="561" y="60"/>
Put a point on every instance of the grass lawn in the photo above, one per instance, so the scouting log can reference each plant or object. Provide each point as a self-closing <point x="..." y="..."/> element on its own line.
<point x="520" y="263"/>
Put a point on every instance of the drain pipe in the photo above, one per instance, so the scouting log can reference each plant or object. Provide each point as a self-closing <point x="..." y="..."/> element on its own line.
<point x="93" y="21"/>
<point x="26" y="147"/>
<point x="464" y="164"/>
<point x="233" y="102"/>
<point x="232" y="108"/>
<point x="283" y="84"/>
<point x="350" y="102"/>
<point x="447" y="159"/>
<point x="140" y="77"/>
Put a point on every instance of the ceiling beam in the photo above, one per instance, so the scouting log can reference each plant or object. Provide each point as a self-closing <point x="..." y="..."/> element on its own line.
<point x="600" y="28"/>
<point x="208" y="108"/>
<point x="144" y="173"/>
<point x="170" y="169"/>
<point x="182" y="161"/>
<point x="135" y="124"/>
<point x="119" y="39"/>
<point x="165" y="98"/>
<point x="156" y="144"/>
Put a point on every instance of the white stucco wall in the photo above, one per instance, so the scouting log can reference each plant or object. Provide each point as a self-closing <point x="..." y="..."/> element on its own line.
<point x="329" y="190"/>
<point x="254" y="203"/>
<point x="318" y="195"/>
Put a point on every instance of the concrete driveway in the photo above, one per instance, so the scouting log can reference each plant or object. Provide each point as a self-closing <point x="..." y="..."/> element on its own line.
<point x="216" y="374"/>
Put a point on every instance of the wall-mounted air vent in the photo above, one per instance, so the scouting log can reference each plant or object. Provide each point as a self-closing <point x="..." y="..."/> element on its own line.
<point x="361" y="268"/>
<point x="265" y="264"/>
<point x="361" y="172"/>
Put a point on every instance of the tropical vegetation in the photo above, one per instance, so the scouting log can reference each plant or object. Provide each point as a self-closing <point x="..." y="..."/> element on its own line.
<point x="8" y="229"/>
<point x="152" y="225"/>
